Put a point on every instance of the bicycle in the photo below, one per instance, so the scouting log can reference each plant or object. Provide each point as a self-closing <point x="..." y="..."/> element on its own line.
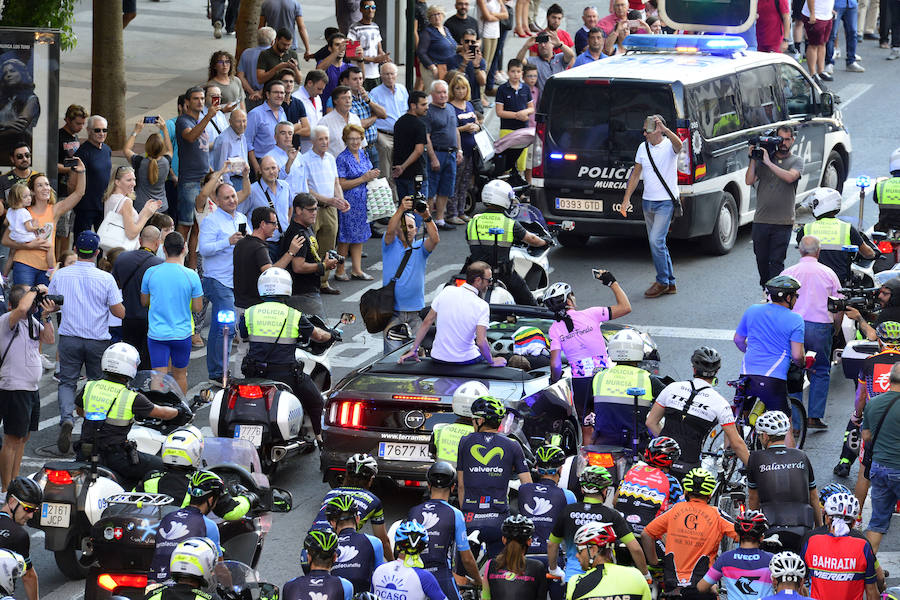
<point x="730" y="493"/>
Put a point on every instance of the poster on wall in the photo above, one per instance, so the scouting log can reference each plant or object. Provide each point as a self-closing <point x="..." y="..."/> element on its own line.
<point x="29" y="96"/>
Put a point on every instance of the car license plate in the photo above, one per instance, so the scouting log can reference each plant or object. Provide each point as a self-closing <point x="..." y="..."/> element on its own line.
<point x="251" y="433"/>
<point x="55" y="514"/>
<point x="412" y="452"/>
<point x="579" y="204"/>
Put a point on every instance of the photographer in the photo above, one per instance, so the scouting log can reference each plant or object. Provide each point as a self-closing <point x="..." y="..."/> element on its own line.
<point x="470" y="63"/>
<point x="22" y="331"/>
<point x="889" y="299"/>
<point x="777" y="177"/>
<point x="409" y="291"/>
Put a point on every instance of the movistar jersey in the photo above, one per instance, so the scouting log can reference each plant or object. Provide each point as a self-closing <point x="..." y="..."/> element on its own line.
<point x="577" y="514"/>
<point x="395" y="581"/>
<point x="358" y="556"/>
<point x="645" y="492"/>
<point x="839" y="567"/>
<point x="743" y="573"/>
<point x="176" y="527"/>
<point x="369" y="505"/>
<point x="543" y="502"/>
<point x="446" y="535"/>
<point x="487" y="462"/>
<point x="609" y="582"/>
<point x="318" y="585"/>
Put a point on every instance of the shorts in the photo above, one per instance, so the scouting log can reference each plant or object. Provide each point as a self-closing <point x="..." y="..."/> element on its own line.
<point x="20" y="411"/>
<point x="187" y="196"/>
<point x="583" y="395"/>
<point x="179" y="351"/>
<point x="442" y="181"/>
<point x="773" y="392"/>
<point x="797" y="10"/>
<point x="817" y="34"/>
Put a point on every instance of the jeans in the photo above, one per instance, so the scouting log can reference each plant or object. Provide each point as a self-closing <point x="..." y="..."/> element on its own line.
<point x="441" y="182"/>
<point x="885" y="493"/>
<point x="73" y="353"/>
<point x="23" y="274"/>
<point x="222" y="298"/>
<point x="657" y="216"/>
<point x="770" y="243"/>
<point x="227" y="17"/>
<point x="187" y="195"/>
<point x="817" y="338"/>
<point x="848" y="16"/>
<point x="407" y="187"/>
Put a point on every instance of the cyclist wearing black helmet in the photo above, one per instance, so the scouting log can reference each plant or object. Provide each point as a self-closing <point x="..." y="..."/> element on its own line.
<point x="511" y="575"/>
<point x="23" y="498"/>
<point x="771" y="336"/>
<point x="486" y="461"/>
<point x="743" y="573"/>
<point x="446" y="530"/>
<point x="648" y="489"/>
<point x="359" y="554"/>
<point x="691" y="409"/>
<point x="322" y="547"/>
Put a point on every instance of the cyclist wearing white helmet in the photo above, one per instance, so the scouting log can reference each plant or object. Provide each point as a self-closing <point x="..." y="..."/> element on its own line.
<point x="788" y="572"/>
<point x="445" y="437"/>
<point x="887" y="197"/>
<point x="577" y="334"/>
<point x="834" y="234"/>
<point x="493" y="248"/>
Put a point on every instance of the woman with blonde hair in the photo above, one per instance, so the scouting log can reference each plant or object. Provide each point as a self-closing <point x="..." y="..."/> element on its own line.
<point x="354" y="172"/>
<point x="23" y="227"/>
<point x="468" y="125"/>
<point x="151" y="170"/>
<point x="119" y="199"/>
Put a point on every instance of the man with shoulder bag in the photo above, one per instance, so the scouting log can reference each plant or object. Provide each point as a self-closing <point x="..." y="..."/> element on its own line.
<point x="660" y="202"/>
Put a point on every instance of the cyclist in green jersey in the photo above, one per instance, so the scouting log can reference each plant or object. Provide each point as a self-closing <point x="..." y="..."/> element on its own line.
<point x="603" y="579"/>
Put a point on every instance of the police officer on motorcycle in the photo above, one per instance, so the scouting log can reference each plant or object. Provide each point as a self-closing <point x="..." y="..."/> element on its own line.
<point x="493" y="248"/>
<point x="274" y="329"/>
<point x="192" y="567"/>
<point x="109" y="408"/>
<point x="887" y="197"/>
<point x="12" y="566"/>
<point x="445" y="436"/>
<point x="23" y="498"/>
<point x="834" y="234"/>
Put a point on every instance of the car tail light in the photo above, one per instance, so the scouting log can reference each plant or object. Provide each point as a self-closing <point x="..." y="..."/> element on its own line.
<point x="537" y="168"/>
<point x="601" y="459"/>
<point x="347" y="413"/>
<point x="685" y="157"/>
<point x="414" y="483"/>
<point x="59" y="477"/>
<point x="111" y="581"/>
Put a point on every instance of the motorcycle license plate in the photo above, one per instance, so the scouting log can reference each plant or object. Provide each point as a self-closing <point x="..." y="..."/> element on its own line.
<point x="412" y="452"/>
<point x="251" y="433"/>
<point x="579" y="204"/>
<point x="55" y="514"/>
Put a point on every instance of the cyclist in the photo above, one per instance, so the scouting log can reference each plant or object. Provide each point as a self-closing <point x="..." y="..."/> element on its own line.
<point x="691" y="409"/>
<point x="446" y="530"/>
<point x="192" y="567"/>
<point x="23" y="493"/>
<point x="595" y="482"/>
<point x="693" y="531"/>
<point x="887" y="196"/>
<point x="188" y="522"/>
<point x="834" y="234"/>
<point x="771" y="336"/>
<point x="321" y="546"/>
<point x="487" y="461"/>
<point x="613" y="409"/>
<point x="577" y="334"/>
<point x="358" y="480"/>
<point x="744" y="571"/>
<point x="511" y="575"/>
<point x="648" y="489"/>
<point x="841" y="567"/>
<point x="788" y="572"/>
<point x="781" y="480"/>
<point x="12" y="566"/>
<point x="358" y="553"/>
<point x="602" y="578"/>
<point x="406" y="572"/>
<point x="445" y="437"/>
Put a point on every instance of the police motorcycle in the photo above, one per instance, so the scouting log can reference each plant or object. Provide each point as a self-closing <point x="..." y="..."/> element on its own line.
<point x="235" y="580"/>
<point x="497" y="160"/>
<point x="149" y="433"/>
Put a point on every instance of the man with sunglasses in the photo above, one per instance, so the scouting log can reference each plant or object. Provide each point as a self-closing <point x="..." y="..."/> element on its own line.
<point x="97" y="158"/>
<point x="308" y="264"/>
<point x="369" y="53"/>
<point x="20" y="157"/>
<point x="23" y="498"/>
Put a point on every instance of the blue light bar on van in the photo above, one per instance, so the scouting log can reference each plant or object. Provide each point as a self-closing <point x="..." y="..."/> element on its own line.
<point x="721" y="45"/>
<point x="561" y="156"/>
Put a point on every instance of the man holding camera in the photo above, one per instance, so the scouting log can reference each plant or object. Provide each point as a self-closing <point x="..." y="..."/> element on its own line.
<point x="776" y="171"/>
<point x="470" y="63"/>
<point x="553" y="56"/>
<point x="22" y="332"/>
<point x="308" y="266"/>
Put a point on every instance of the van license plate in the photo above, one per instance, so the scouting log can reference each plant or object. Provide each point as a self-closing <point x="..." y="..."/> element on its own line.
<point x="412" y="452"/>
<point x="251" y="433"/>
<point x="579" y="204"/>
<point x="55" y="514"/>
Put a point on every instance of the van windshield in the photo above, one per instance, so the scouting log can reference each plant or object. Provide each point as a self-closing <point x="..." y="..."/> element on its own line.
<point x="604" y="118"/>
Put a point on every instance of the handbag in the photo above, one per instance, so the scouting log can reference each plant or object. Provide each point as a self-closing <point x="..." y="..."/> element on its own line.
<point x="379" y="200"/>
<point x="869" y="449"/>
<point x="677" y="209"/>
<point x="112" y="231"/>
<point x="376" y="307"/>
<point x="485" y="144"/>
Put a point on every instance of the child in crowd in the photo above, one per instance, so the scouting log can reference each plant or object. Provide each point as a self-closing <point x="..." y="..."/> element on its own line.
<point x="530" y="76"/>
<point x="23" y="228"/>
<point x="514" y="104"/>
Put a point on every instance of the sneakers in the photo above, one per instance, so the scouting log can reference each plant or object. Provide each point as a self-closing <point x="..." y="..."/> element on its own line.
<point x="48" y="363"/>
<point x="217" y="30"/>
<point x="455" y="221"/>
<point x="64" y="441"/>
<point x="894" y="55"/>
<point x="842" y="469"/>
<point x="829" y="68"/>
<point x="837" y="53"/>
<point x="855" y="67"/>
<point x="826" y="76"/>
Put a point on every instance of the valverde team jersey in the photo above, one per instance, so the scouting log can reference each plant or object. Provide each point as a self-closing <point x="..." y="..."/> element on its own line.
<point x="542" y="502"/>
<point x="875" y="372"/>
<point x="394" y="581"/>
<point x="487" y="462"/>
<point x="584" y="346"/>
<point x="783" y="478"/>
<point x="318" y="585"/>
<point x="358" y="555"/>
<point x="743" y="573"/>
<point x="769" y="329"/>
<point x="644" y="493"/>
<point x="369" y="505"/>
<point x="576" y="515"/>
<point x="839" y="567"/>
<point x="446" y="531"/>
<point x="608" y="582"/>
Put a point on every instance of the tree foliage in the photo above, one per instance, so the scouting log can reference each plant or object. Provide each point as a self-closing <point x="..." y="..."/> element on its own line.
<point x="49" y="14"/>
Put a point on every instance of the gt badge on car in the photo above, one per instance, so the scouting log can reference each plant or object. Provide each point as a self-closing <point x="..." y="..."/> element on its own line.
<point x="414" y="419"/>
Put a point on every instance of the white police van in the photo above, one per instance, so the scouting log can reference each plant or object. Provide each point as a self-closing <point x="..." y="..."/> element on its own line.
<point x="715" y="95"/>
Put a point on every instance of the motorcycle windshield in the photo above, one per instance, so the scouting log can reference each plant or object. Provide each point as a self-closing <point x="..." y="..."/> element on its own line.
<point x="217" y="451"/>
<point x="157" y="386"/>
<point x="236" y="576"/>
<point x="527" y="213"/>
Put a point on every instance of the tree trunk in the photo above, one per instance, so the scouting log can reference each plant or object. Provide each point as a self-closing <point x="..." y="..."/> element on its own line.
<point x="246" y="26"/>
<point x="108" y="70"/>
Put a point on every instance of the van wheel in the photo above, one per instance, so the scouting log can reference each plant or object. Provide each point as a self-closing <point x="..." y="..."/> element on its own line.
<point x="724" y="232"/>
<point x="834" y="174"/>
<point x="572" y="240"/>
<point x="471" y="202"/>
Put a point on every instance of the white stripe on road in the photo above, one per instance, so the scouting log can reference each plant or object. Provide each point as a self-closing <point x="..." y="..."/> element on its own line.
<point x="851" y="92"/>
<point x="686" y="333"/>
<point x="71" y="590"/>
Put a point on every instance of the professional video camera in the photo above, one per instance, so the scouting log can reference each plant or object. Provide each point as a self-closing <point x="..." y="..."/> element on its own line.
<point x="420" y="202"/>
<point x="863" y="299"/>
<point x="767" y="142"/>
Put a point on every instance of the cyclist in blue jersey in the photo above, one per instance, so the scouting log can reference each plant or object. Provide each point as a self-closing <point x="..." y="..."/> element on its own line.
<point x="743" y="572"/>
<point x="446" y="530"/>
<point x="359" y="554"/>
<point x="788" y="571"/>
<point x="321" y="545"/>
<point x="405" y="578"/>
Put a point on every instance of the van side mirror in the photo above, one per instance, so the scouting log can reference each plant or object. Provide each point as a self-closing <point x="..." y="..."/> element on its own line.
<point x="826" y="104"/>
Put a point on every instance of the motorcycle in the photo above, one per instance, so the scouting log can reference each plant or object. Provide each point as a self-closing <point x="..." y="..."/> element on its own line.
<point x="499" y="162"/>
<point x="236" y="581"/>
<point x="150" y="433"/>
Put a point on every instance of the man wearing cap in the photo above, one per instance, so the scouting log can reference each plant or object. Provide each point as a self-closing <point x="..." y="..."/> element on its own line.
<point x="90" y="296"/>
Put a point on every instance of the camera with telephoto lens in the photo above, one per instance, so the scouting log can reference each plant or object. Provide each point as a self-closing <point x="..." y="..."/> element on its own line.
<point x="863" y="299"/>
<point x="55" y="298"/>
<point x="420" y="202"/>
<point x="766" y="142"/>
<point x="333" y="254"/>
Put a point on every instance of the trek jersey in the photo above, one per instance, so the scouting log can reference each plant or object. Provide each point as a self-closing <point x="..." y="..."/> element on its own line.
<point x="646" y="492"/>
<point x="782" y="477"/>
<point x="318" y="585"/>
<point x="577" y="514"/>
<point x="394" y="581"/>
<point x="502" y="584"/>
<point x="743" y="573"/>
<point x="543" y="502"/>
<point x="875" y="372"/>
<point x="14" y="537"/>
<point x="839" y="567"/>
<point x="176" y="527"/>
<point x="487" y="462"/>
<point x="693" y="531"/>
<point x="359" y="554"/>
<point x="369" y="505"/>
<point x="446" y="536"/>
<point x="609" y="582"/>
<point x="692" y="408"/>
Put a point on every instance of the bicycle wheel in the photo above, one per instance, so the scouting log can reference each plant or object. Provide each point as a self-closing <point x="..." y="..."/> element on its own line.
<point x="798" y="419"/>
<point x="714" y="441"/>
<point x="729" y="504"/>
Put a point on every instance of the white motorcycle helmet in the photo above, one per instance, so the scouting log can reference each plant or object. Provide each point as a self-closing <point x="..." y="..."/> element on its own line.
<point x="497" y="193"/>
<point x="626" y="345"/>
<point x="121" y="358"/>
<point x="465" y="395"/>
<point x="823" y="201"/>
<point x="183" y="447"/>
<point x="895" y="160"/>
<point x="12" y="566"/>
<point x="194" y="556"/>
<point x="274" y="281"/>
<point x="556" y="295"/>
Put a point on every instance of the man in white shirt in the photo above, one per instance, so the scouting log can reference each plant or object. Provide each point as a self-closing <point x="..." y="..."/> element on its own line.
<point x="311" y="96"/>
<point x="340" y="117"/>
<point x="393" y="97"/>
<point x="370" y="53"/>
<point x="219" y="122"/>
<point x="658" y="205"/>
<point x="231" y="144"/>
<point x="462" y="318"/>
<point x="288" y="159"/>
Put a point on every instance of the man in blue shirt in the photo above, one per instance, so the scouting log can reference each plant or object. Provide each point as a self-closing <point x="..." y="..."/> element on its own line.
<point x="97" y="159"/>
<point x="261" y="122"/>
<point x="193" y="154"/>
<point x="274" y="193"/>
<point x="334" y="63"/>
<point x="444" y="150"/>
<point x="392" y="96"/>
<point x="287" y="157"/>
<point x="598" y="46"/>
<point x="232" y="143"/>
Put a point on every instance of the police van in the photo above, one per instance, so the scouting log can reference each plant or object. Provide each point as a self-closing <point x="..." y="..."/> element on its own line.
<point x="716" y="96"/>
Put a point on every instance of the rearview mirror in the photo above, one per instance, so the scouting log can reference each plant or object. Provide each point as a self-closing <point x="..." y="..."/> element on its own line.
<point x="826" y="104"/>
<point x="347" y="318"/>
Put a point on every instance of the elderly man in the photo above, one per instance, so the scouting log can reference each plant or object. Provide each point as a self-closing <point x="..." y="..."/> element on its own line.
<point x="553" y="56"/>
<point x="444" y="151"/>
<point x="261" y="122"/>
<point x="288" y="159"/>
<point x="590" y="17"/>
<point x="274" y="193"/>
<point x="311" y="96"/>
<point x="246" y="71"/>
<point x="193" y="154"/>
<point x="232" y="146"/>
<point x="817" y="282"/>
<point x="340" y="117"/>
<point x="309" y="264"/>
<point x="392" y="96"/>
<point x="322" y="179"/>
<point x="219" y="122"/>
<point x="881" y="429"/>
<point x="97" y="159"/>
